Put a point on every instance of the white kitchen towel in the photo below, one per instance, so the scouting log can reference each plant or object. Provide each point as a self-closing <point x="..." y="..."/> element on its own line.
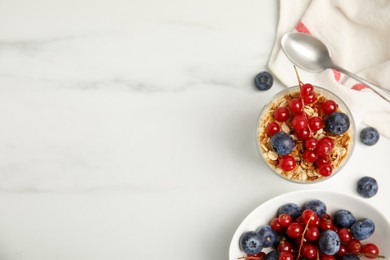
<point x="357" y="32"/>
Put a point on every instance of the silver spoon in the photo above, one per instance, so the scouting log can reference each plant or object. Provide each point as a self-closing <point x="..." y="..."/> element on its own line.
<point x="312" y="55"/>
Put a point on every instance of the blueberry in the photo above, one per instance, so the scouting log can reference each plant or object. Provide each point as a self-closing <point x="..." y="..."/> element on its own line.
<point x="343" y="218"/>
<point x="251" y="243"/>
<point x="367" y="187"/>
<point x="337" y="123"/>
<point x="317" y="206"/>
<point x="282" y="143"/>
<point x="264" y="80"/>
<point x="349" y="257"/>
<point x="291" y="209"/>
<point x="272" y="255"/>
<point x="369" y="136"/>
<point x="268" y="235"/>
<point x="329" y="242"/>
<point x="363" y="228"/>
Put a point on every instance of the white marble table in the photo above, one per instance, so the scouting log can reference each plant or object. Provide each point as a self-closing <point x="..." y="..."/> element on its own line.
<point x="127" y="128"/>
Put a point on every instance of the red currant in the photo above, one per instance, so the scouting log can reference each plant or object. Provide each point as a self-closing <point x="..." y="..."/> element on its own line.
<point x="286" y="256"/>
<point x="294" y="230"/>
<point x="327" y="257"/>
<point x="295" y="105"/>
<point x="344" y="235"/>
<point x="354" y="246"/>
<point x="322" y="160"/>
<point x="311" y="144"/>
<point x="326" y="224"/>
<point x="327" y="140"/>
<point x="284" y="220"/>
<point x="315" y="123"/>
<point x="343" y="250"/>
<point x="329" y="106"/>
<point x="307" y="89"/>
<point x="309" y="156"/>
<point x="299" y="122"/>
<point x="309" y="216"/>
<point x="312" y="233"/>
<point x="309" y="251"/>
<point x="370" y="251"/>
<point x="324" y="149"/>
<point x="272" y="128"/>
<point x="303" y="134"/>
<point x="281" y="114"/>
<point x="309" y="98"/>
<point x="325" y="169"/>
<point x="284" y="246"/>
<point x="287" y="163"/>
<point x="275" y="225"/>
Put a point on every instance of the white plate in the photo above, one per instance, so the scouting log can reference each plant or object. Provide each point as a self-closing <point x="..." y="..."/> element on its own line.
<point x="360" y="208"/>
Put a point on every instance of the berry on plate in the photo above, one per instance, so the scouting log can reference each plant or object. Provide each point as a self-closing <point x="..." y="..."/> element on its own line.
<point x="251" y="243"/>
<point x="363" y="228"/>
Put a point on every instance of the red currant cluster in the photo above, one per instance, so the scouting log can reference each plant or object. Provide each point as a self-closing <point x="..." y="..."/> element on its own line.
<point x="304" y="128"/>
<point x="303" y="232"/>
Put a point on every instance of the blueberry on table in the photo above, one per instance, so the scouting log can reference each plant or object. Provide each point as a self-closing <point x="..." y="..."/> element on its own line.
<point x="317" y="206"/>
<point x="291" y="209"/>
<point x="343" y="218"/>
<point x="251" y="243"/>
<point x="329" y="242"/>
<point x="337" y="123"/>
<point x="282" y="143"/>
<point x="363" y="228"/>
<point x="264" y="80"/>
<point x="367" y="187"/>
<point x="369" y="136"/>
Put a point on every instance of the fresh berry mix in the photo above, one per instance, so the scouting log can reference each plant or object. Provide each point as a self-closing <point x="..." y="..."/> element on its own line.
<point x="264" y="80"/>
<point x="309" y="232"/>
<point x="367" y="187"/>
<point x="304" y="136"/>
<point x="369" y="136"/>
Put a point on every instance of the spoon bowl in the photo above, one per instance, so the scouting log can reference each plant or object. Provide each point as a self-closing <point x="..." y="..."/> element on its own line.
<point x="307" y="52"/>
<point x="311" y="54"/>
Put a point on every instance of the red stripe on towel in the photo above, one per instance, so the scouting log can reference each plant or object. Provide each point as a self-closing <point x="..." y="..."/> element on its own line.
<point x="301" y="27"/>
<point x="359" y="86"/>
<point x="336" y="74"/>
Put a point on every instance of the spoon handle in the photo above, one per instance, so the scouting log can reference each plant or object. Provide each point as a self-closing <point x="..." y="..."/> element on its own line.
<point x="382" y="92"/>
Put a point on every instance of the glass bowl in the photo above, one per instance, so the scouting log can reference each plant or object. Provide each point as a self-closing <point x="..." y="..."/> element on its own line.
<point x="304" y="172"/>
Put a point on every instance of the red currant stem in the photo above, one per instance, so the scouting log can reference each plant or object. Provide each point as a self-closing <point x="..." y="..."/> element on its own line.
<point x="250" y="257"/>
<point x="303" y="103"/>
<point x="303" y="235"/>
<point x="375" y="255"/>
<point x="300" y="83"/>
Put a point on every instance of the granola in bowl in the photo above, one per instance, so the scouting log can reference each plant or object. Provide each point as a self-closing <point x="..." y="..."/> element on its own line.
<point x="305" y="137"/>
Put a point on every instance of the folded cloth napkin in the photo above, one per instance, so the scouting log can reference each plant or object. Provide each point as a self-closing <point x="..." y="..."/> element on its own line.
<point x="357" y="33"/>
